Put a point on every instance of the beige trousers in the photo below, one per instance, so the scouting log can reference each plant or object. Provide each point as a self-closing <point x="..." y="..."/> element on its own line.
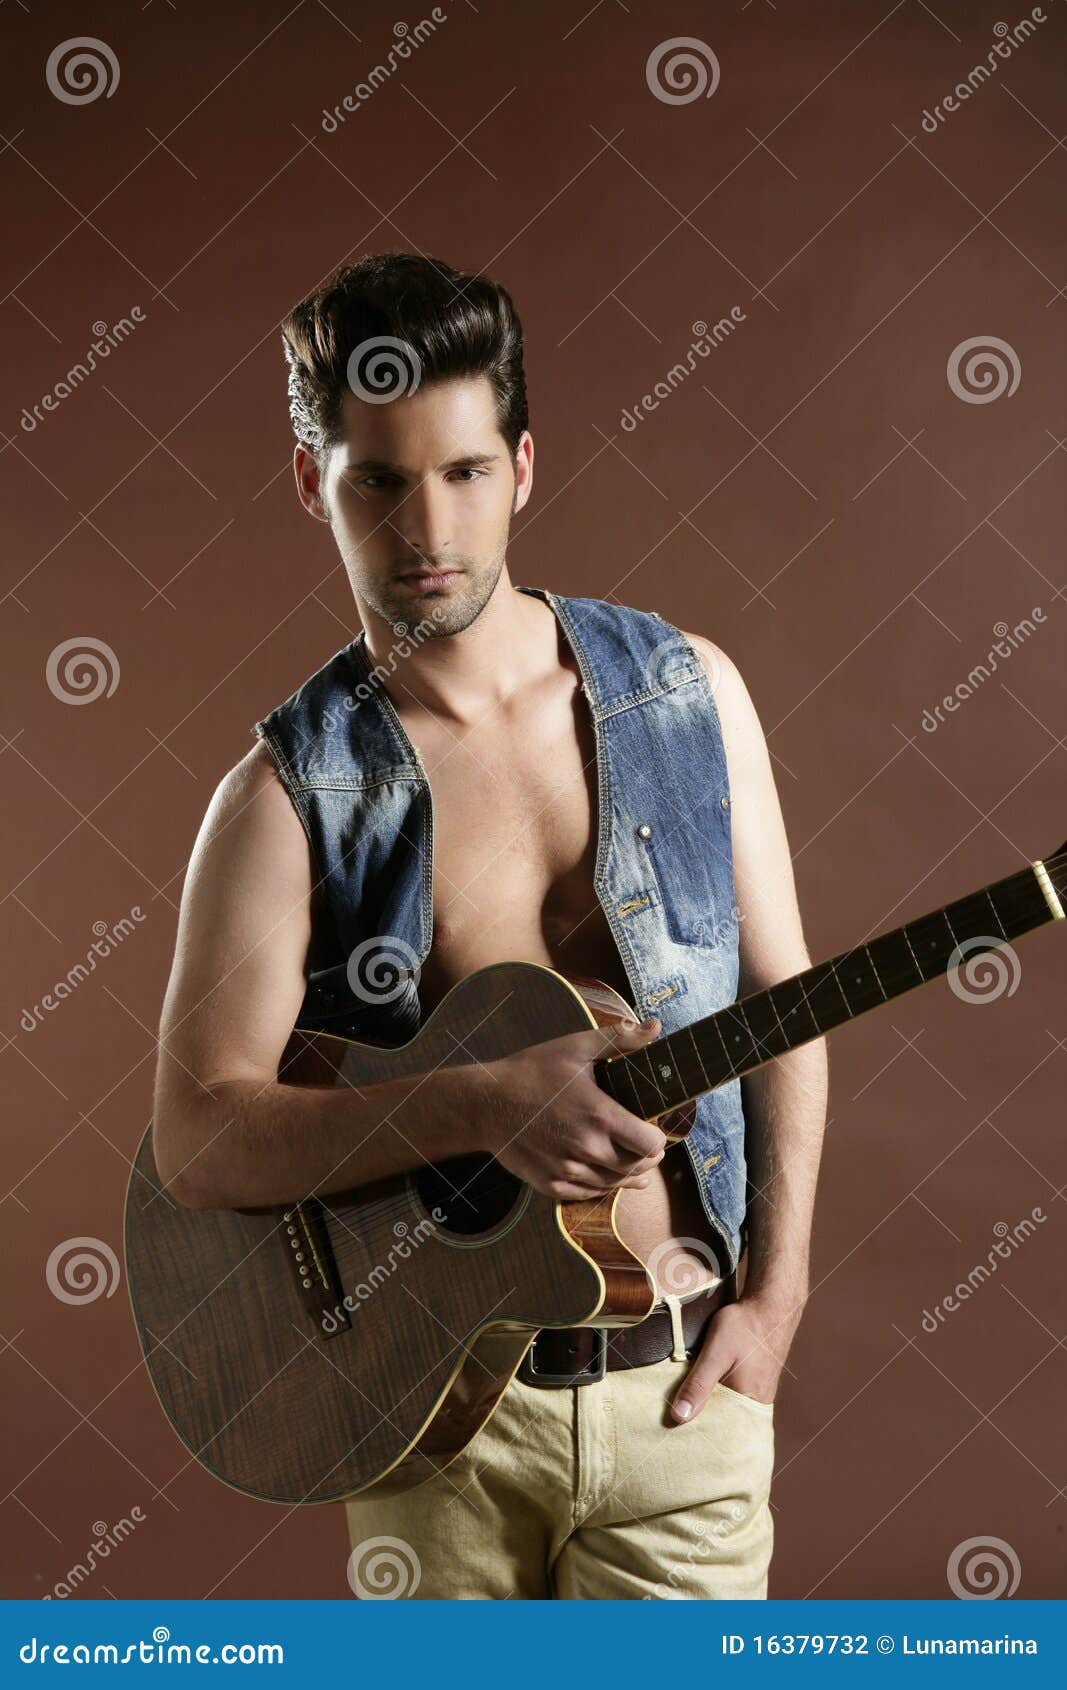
<point x="587" y="1493"/>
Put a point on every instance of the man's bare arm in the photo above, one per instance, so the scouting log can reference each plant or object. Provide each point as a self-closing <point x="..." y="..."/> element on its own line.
<point x="785" y="1101"/>
<point x="228" y="1134"/>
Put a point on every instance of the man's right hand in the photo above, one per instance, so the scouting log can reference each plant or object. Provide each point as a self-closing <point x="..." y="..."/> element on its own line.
<point x="549" y="1122"/>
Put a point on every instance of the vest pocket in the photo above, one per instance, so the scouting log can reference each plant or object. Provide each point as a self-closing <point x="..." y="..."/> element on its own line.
<point x="687" y="875"/>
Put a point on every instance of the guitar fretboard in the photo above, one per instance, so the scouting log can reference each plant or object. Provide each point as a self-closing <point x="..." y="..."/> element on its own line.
<point x="684" y="1064"/>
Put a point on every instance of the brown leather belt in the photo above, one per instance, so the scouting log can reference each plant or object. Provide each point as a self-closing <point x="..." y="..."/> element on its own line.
<point x="579" y="1355"/>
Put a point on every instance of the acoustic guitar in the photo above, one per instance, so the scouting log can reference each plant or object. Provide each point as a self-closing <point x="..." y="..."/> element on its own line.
<point x="307" y="1352"/>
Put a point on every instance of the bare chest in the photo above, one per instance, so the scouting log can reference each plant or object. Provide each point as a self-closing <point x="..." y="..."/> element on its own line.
<point x="515" y="818"/>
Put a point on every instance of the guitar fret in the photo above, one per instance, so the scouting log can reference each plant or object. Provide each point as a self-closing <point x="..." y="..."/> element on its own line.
<point x="696" y="1048"/>
<point x="996" y="912"/>
<point x="877" y="976"/>
<point x="841" y="989"/>
<point x="914" y="958"/>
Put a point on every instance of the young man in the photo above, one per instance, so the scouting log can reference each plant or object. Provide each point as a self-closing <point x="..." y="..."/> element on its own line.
<point x="602" y="804"/>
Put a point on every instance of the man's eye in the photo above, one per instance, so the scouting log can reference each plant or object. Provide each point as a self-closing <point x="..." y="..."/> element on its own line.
<point x="475" y="474"/>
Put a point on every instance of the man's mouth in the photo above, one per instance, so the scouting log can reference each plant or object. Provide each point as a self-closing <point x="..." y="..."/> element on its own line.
<point x="429" y="577"/>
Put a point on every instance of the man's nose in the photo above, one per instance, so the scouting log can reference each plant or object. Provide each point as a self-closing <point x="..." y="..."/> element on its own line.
<point x="421" y="520"/>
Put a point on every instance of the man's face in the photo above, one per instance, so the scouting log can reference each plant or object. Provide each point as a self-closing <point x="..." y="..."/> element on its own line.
<point x="422" y="482"/>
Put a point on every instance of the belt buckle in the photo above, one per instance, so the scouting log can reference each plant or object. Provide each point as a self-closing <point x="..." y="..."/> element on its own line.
<point x="530" y="1374"/>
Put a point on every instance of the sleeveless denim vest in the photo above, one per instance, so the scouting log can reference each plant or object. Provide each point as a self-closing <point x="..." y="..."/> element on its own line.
<point x="663" y="876"/>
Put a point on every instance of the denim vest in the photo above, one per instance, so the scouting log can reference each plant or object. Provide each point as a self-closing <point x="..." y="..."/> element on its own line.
<point x="663" y="876"/>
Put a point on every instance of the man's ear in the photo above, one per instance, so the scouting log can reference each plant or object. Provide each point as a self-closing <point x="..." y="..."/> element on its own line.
<point x="309" y="483"/>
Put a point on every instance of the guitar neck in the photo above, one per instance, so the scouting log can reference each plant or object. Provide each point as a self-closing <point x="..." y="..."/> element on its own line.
<point x="682" y="1065"/>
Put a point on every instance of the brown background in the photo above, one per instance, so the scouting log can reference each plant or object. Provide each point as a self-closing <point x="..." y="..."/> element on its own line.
<point x="815" y="497"/>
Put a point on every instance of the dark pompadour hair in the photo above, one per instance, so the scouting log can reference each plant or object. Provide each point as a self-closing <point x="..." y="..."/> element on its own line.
<point x="455" y="324"/>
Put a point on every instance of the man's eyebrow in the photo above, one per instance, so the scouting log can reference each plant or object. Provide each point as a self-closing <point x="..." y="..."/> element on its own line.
<point x="469" y="460"/>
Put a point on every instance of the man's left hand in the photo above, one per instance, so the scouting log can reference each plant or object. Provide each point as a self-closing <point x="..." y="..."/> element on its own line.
<point x="744" y="1348"/>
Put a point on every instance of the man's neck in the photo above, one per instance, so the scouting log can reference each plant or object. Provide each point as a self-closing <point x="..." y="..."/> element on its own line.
<point x="459" y="677"/>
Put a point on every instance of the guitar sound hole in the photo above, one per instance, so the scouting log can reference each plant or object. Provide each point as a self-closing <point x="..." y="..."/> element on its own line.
<point x="471" y="1194"/>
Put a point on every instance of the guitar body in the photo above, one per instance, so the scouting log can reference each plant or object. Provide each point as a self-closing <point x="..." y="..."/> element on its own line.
<point x="305" y="1354"/>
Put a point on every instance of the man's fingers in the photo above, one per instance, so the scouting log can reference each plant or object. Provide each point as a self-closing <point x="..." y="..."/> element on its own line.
<point x="702" y="1378"/>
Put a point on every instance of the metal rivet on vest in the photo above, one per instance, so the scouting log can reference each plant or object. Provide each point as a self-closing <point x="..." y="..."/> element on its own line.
<point x="724" y="801"/>
<point x="645" y="830"/>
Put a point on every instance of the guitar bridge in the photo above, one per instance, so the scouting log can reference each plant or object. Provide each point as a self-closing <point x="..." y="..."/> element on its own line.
<point x="307" y="1244"/>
